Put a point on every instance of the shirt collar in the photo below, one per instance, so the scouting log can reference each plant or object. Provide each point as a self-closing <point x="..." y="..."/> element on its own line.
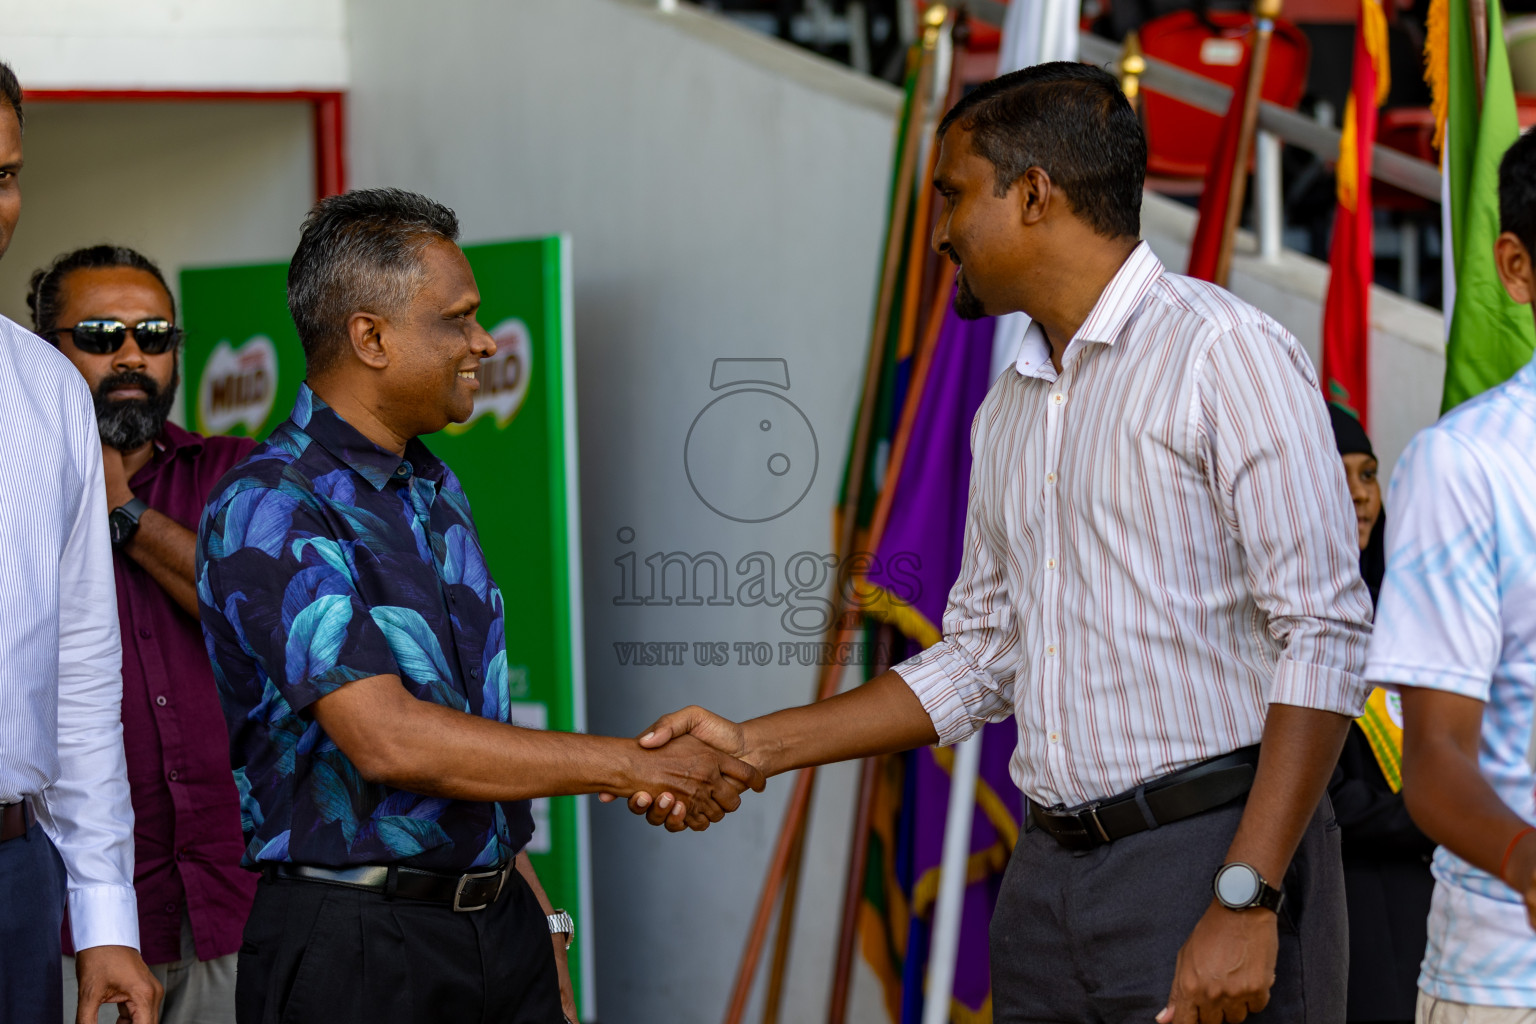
<point x="374" y="464"/>
<point x="1117" y="303"/>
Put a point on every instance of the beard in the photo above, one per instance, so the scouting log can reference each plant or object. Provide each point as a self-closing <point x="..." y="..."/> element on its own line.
<point x="967" y="305"/>
<point x="129" y="423"/>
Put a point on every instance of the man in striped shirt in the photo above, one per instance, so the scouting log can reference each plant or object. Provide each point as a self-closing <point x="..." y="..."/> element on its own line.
<point x="1160" y="582"/>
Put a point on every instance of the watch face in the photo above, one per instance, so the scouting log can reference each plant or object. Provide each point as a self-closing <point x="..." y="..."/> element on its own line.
<point x="1237" y="885"/>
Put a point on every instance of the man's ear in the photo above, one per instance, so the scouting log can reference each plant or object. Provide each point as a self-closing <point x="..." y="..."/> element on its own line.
<point x="1515" y="268"/>
<point x="1034" y="191"/>
<point x="365" y="332"/>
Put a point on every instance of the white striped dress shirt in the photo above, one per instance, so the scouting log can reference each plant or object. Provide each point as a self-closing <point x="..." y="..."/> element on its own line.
<point x="1159" y="544"/>
<point x="61" y="734"/>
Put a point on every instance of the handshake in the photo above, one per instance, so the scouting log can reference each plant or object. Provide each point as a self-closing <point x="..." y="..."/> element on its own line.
<point x="691" y="770"/>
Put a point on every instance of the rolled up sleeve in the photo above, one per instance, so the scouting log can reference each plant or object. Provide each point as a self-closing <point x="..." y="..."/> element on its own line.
<point x="966" y="679"/>
<point x="1278" y="478"/>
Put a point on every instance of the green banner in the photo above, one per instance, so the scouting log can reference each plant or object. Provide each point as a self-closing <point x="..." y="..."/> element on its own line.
<point x="516" y="458"/>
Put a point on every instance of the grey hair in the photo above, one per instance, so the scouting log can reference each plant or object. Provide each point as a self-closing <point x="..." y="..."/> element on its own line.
<point x="359" y="252"/>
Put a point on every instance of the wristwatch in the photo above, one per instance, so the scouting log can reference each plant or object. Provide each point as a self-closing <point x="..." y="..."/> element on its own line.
<point x="123" y="523"/>
<point x="1239" y="886"/>
<point x="560" y="923"/>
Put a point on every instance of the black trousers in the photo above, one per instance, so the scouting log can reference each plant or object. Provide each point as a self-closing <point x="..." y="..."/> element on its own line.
<point x="324" y="954"/>
<point x="1092" y="938"/>
<point x="31" y="910"/>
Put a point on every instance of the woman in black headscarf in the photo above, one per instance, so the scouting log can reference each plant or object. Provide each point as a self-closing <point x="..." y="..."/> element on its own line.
<point x="1387" y="882"/>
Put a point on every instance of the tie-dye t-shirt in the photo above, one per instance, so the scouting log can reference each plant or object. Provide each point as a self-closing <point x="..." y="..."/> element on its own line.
<point x="1458" y="613"/>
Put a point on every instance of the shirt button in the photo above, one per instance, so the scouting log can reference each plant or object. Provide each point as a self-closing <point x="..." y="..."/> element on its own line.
<point x="1059" y="398"/>
<point x="181" y="854"/>
<point x="403" y="469"/>
<point x="160" y="700"/>
<point x="1050" y="651"/>
<point x="1055" y="737"/>
<point x="474" y="673"/>
<point x="1050" y="563"/>
<point x="173" y="775"/>
<point x="170" y="908"/>
<point x="144" y="633"/>
<point x="1050" y="478"/>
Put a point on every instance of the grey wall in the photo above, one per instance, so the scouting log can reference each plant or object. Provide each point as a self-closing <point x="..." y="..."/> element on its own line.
<point x="725" y="198"/>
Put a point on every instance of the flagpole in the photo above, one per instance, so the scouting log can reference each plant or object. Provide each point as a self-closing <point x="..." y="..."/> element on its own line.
<point x="791" y="831"/>
<point x="952" y="878"/>
<point x="1477" y="14"/>
<point x="853" y="888"/>
<point x="1264" y="13"/>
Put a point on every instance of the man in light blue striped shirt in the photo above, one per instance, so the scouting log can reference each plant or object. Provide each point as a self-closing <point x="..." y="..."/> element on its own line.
<point x="1456" y="633"/>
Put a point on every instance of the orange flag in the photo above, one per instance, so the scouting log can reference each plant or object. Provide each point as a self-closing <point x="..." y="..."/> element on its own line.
<point x="1347" y="312"/>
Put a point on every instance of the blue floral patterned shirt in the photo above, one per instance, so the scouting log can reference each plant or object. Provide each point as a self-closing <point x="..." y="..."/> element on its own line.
<point x="322" y="559"/>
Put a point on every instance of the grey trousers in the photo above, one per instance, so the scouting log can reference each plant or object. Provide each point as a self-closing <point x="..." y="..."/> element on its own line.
<point x="1091" y="938"/>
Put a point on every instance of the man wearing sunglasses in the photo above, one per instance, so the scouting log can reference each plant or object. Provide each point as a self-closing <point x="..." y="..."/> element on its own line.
<point x="109" y="311"/>
<point x="66" y="821"/>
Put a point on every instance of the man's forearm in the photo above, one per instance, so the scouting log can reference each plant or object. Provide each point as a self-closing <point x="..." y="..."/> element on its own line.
<point x="1296" y="759"/>
<point x="167" y="551"/>
<point x="1443" y="785"/>
<point x="880" y="717"/>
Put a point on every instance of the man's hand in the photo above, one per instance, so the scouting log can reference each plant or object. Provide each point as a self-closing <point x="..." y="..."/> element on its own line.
<point x="1226" y="968"/>
<point x="563" y="968"/>
<point x="699" y="783"/>
<point x="116" y="974"/>
<point x="723" y="734"/>
<point x="118" y="492"/>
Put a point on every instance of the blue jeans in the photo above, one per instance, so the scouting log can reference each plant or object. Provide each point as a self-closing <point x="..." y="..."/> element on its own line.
<point x="31" y="910"/>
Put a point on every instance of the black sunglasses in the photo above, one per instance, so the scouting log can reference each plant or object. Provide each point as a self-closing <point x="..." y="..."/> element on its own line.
<point x="103" y="337"/>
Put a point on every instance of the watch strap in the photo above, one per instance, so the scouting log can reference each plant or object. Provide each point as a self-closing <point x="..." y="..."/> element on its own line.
<point x="560" y="923"/>
<point x="134" y="507"/>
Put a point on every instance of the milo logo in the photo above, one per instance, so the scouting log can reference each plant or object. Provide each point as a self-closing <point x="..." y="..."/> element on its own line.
<point x="238" y="386"/>
<point x="503" y="377"/>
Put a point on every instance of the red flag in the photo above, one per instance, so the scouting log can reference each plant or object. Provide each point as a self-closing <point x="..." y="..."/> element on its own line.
<point x="1217" y="193"/>
<point x="1347" y="312"/>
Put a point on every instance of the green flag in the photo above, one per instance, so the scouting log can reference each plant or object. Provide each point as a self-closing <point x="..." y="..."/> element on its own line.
<point x="1490" y="337"/>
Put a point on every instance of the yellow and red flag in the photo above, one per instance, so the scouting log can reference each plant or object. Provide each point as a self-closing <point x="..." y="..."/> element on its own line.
<point x="1347" y="312"/>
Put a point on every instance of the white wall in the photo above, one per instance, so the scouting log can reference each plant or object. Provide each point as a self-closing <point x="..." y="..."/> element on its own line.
<point x="725" y="197"/>
<point x="185" y="183"/>
<point x="1407" y="339"/>
<point x="176" y="44"/>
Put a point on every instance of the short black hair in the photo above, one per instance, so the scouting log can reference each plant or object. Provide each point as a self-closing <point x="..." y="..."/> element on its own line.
<point x="10" y="91"/>
<point x="1072" y="121"/>
<point x="45" y="295"/>
<point x="1517" y="191"/>
<point x="360" y="250"/>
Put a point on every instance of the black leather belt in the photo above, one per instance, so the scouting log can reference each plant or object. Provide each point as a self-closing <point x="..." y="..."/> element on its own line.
<point x="15" y="820"/>
<point x="1194" y="790"/>
<point x="474" y="890"/>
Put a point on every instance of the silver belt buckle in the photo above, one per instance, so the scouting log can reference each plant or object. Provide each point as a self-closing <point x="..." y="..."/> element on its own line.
<point x="1091" y="814"/>
<point x="465" y="879"/>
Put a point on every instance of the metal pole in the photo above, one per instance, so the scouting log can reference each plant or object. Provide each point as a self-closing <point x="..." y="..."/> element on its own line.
<point x="1269" y="213"/>
<point x="952" y="875"/>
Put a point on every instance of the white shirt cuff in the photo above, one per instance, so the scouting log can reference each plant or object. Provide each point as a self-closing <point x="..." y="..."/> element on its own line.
<point x="1320" y="687"/>
<point x="103" y="915"/>
<point x="934" y="677"/>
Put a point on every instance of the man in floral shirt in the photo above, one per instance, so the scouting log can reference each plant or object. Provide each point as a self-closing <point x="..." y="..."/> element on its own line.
<point x="359" y="645"/>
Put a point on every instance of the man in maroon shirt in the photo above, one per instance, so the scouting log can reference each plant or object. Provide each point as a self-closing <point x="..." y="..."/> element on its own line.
<point x="108" y="309"/>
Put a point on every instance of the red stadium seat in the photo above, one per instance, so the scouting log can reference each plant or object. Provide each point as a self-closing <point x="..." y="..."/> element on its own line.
<point x="1182" y="138"/>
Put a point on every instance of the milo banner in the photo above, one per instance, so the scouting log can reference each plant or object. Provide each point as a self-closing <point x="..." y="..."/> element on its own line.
<point x="516" y="458"/>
